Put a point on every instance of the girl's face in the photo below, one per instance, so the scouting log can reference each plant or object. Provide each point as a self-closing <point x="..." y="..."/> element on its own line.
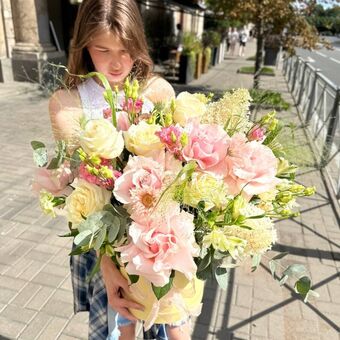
<point x="110" y="57"/>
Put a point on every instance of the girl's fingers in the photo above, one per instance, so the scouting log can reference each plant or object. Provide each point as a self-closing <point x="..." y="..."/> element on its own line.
<point x="126" y="314"/>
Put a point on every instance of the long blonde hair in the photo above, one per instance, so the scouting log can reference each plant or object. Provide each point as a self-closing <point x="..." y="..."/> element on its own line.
<point x="121" y="17"/>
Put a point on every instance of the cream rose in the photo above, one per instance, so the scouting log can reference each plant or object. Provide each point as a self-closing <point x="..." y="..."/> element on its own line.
<point x="187" y="106"/>
<point x="86" y="199"/>
<point x="101" y="138"/>
<point x="141" y="139"/>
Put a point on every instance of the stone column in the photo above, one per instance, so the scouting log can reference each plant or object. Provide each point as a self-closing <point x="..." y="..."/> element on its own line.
<point x="7" y="41"/>
<point x="33" y="46"/>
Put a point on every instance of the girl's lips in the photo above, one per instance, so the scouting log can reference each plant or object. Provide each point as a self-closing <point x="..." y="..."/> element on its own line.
<point x="115" y="74"/>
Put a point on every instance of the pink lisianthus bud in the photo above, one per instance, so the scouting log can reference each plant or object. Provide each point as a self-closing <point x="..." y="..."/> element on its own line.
<point x="257" y="133"/>
<point x="128" y="105"/>
<point x="107" y="183"/>
<point x="171" y="138"/>
<point x="138" y="105"/>
<point x="107" y="113"/>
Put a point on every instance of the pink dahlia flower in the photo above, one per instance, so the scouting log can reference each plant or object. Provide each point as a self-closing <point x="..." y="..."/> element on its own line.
<point x="158" y="247"/>
<point x="252" y="167"/>
<point x="208" y="146"/>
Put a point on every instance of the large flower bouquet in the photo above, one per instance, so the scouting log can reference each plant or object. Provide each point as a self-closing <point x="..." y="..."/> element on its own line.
<point x="175" y="193"/>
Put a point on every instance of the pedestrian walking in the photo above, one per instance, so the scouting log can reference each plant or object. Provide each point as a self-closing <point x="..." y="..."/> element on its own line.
<point x="233" y="39"/>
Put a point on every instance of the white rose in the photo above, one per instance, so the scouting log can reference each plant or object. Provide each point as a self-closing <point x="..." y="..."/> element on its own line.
<point x="86" y="199"/>
<point x="101" y="138"/>
<point x="187" y="106"/>
<point x="141" y="139"/>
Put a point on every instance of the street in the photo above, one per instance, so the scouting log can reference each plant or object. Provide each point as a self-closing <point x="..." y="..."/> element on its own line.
<point x="328" y="61"/>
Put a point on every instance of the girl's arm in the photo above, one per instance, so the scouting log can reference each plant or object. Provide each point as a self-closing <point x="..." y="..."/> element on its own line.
<point x="114" y="283"/>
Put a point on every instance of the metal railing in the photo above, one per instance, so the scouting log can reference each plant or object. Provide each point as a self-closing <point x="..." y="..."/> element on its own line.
<point x="318" y="101"/>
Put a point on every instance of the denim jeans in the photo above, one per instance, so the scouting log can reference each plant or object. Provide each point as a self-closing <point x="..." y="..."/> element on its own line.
<point x="116" y="320"/>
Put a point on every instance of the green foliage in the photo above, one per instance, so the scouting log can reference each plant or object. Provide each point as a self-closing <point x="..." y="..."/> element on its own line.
<point x="211" y="38"/>
<point x="40" y="157"/>
<point x="191" y="43"/>
<point x="326" y="20"/>
<point x="207" y="55"/>
<point x="268" y="99"/>
<point x="268" y="71"/>
<point x="161" y="291"/>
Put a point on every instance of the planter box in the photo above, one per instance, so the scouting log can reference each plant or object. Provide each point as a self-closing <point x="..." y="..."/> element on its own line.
<point x="214" y="56"/>
<point x="199" y="62"/>
<point x="186" y="70"/>
<point x="205" y="64"/>
<point x="270" y="56"/>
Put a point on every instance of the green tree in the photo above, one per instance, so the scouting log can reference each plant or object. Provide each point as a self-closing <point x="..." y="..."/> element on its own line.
<point x="286" y="18"/>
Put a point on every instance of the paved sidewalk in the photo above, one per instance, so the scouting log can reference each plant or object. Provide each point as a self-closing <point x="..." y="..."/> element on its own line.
<point x="35" y="287"/>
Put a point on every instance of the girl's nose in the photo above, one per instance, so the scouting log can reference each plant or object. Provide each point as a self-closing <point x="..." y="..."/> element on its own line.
<point x="115" y="63"/>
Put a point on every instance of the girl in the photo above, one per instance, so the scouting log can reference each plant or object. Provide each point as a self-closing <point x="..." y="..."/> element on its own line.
<point x="108" y="38"/>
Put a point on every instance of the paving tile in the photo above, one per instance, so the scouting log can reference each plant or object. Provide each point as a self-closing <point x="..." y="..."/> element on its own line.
<point x="10" y="328"/>
<point x="48" y="279"/>
<point x="53" y="329"/>
<point x="76" y="329"/>
<point x="36" y="326"/>
<point x="26" y="294"/>
<point x="16" y="313"/>
<point x="58" y="308"/>
<point x="6" y="295"/>
<point x="40" y="298"/>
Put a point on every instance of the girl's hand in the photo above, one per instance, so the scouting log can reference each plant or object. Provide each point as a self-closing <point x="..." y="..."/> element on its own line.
<point x="115" y="283"/>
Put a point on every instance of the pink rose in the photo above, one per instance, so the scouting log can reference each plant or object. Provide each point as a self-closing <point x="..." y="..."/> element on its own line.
<point x="208" y="146"/>
<point x="157" y="247"/>
<point x="251" y="167"/>
<point x="54" y="181"/>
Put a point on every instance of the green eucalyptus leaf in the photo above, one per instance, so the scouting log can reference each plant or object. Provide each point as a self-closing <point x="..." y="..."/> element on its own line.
<point x="219" y="255"/>
<point x="256" y="259"/>
<point x="204" y="274"/>
<point x="37" y="145"/>
<point x="82" y="237"/>
<point x="113" y="231"/>
<point x="72" y="233"/>
<point x="272" y="266"/>
<point x="280" y="256"/>
<point x="295" y="270"/>
<point x="122" y="229"/>
<point x="40" y="157"/>
<point x="75" y="160"/>
<point x="54" y="163"/>
<point x="93" y="222"/>
<point x="78" y="250"/>
<point x="100" y="238"/>
<point x="161" y="291"/>
<point x="303" y="285"/>
<point x="283" y="280"/>
<point x="222" y="277"/>
<point x="204" y="263"/>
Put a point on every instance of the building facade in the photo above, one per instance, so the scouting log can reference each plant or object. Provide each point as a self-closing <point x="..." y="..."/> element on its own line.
<point x="34" y="32"/>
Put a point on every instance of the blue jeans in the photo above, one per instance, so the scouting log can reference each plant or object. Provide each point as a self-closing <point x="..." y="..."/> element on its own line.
<point x="115" y="321"/>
